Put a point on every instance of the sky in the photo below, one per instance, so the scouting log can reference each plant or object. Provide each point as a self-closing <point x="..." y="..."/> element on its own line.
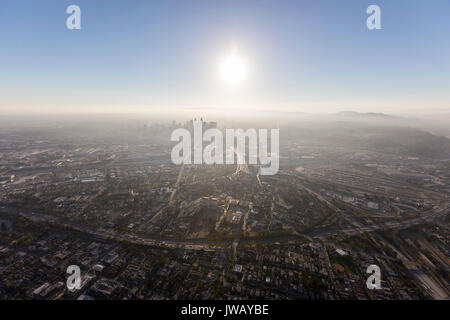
<point x="306" y="56"/>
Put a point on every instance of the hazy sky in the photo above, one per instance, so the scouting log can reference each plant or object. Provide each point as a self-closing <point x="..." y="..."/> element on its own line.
<point x="310" y="56"/>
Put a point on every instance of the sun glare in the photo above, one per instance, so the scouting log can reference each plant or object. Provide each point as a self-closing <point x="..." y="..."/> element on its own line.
<point x="233" y="70"/>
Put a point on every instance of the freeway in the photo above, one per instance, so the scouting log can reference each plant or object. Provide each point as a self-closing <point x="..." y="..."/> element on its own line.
<point x="439" y="211"/>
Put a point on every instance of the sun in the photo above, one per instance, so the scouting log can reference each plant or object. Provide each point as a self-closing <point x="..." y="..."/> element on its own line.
<point x="233" y="70"/>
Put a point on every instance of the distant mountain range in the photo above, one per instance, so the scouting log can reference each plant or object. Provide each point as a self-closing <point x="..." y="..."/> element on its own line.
<point x="404" y="141"/>
<point x="366" y="114"/>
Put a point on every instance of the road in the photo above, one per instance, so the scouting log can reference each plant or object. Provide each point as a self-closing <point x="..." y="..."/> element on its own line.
<point x="202" y="244"/>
